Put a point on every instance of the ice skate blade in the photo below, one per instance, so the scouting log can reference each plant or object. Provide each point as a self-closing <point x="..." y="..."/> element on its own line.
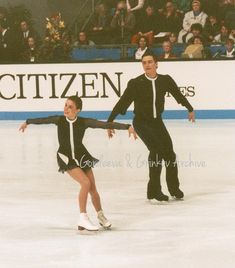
<point x="106" y="227"/>
<point x="156" y="202"/>
<point x="173" y="198"/>
<point x="80" y="228"/>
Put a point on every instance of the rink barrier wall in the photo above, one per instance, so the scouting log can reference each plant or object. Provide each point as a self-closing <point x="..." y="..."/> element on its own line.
<point x="103" y="115"/>
<point x="37" y="90"/>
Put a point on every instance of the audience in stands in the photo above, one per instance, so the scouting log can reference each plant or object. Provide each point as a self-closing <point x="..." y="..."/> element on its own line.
<point x="167" y="51"/>
<point x="232" y="34"/>
<point x="142" y="47"/>
<point x="25" y="32"/>
<point x="223" y="35"/>
<point x="46" y="51"/>
<point x="182" y="6"/>
<point x="83" y="40"/>
<point x="230" y="50"/>
<point x="31" y="51"/>
<point x="122" y="24"/>
<point x="8" y="46"/>
<point x="196" y="30"/>
<point x="100" y="25"/>
<point x="196" y="15"/>
<point x="173" y="37"/>
<point x="144" y="22"/>
<point x="212" y="28"/>
<point x="171" y="18"/>
<point x="148" y="25"/>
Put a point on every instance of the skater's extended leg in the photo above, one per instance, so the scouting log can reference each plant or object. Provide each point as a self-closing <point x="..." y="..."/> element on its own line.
<point x="95" y="197"/>
<point x="80" y="176"/>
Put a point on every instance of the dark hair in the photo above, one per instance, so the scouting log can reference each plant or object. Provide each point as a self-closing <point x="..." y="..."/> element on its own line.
<point x="151" y="54"/>
<point x="145" y="38"/>
<point x="197" y="27"/>
<point x="77" y="100"/>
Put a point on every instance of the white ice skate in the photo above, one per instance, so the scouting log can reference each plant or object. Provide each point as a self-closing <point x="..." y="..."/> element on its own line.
<point x="85" y="223"/>
<point x="103" y="220"/>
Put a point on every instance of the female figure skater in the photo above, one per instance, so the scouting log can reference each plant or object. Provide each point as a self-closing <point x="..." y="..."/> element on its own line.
<point x="73" y="157"/>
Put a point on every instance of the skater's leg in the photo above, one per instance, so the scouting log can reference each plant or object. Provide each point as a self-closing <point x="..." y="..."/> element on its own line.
<point x="149" y="134"/>
<point x="84" y="221"/>
<point x="93" y="190"/>
<point x="155" y="168"/>
<point x="79" y="175"/>
<point x="95" y="197"/>
<point x="169" y="157"/>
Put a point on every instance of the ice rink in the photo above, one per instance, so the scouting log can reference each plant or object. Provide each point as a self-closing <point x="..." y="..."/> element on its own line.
<point x="39" y="209"/>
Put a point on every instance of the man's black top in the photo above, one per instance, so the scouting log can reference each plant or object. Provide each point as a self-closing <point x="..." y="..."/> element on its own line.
<point x="145" y="93"/>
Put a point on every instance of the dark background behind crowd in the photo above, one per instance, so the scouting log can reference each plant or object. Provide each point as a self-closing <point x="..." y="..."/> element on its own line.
<point x="29" y="34"/>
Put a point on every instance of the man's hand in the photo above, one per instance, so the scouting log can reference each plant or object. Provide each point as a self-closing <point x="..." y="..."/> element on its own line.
<point x="111" y="132"/>
<point x="191" y="117"/>
<point x="131" y="131"/>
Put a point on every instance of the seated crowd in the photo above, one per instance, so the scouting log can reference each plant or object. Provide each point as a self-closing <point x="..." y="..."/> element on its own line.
<point x="142" y="23"/>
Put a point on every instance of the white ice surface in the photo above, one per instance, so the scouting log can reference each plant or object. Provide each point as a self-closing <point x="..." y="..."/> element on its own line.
<point x="39" y="211"/>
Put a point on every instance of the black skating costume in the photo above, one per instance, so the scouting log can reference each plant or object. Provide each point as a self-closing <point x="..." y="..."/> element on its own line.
<point x="72" y="153"/>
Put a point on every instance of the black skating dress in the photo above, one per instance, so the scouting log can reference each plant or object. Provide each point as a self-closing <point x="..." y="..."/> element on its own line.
<point x="72" y="153"/>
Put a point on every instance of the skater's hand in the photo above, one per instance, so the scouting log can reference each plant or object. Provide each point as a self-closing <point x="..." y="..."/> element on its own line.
<point x="191" y="116"/>
<point x="111" y="132"/>
<point x="23" y="127"/>
<point x="131" y="131"/>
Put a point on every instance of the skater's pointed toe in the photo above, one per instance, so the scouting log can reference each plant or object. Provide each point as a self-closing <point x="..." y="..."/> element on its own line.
<point x="103" y="221"/>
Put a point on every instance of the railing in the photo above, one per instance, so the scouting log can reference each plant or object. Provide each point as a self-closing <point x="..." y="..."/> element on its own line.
<point x="126" y="52"/>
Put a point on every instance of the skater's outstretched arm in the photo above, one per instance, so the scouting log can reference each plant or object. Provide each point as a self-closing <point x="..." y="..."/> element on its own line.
<point x="40" y="121"/>
<point x="93" y="123"/>
<point x="180" y="98"/>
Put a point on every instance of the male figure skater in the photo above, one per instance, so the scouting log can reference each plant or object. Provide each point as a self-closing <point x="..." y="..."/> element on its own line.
<point x="148" y="93"/>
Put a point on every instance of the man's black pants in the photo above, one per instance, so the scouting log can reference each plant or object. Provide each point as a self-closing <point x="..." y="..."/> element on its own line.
<point x="158" y="141"/>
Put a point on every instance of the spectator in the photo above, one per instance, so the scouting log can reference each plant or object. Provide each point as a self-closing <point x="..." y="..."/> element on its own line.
<point x="211" y="29"/>
<point x="196" y="30"/>
<point x="167" y="51"/>
<point x="83" y="40"/>
<point x="196" y="15"/>
<point x="123" y="24"/>
<point x="31" y="53"/>
<point x="223" y="35"/>
<point x="230" y="51"/>
<point x="25" y="33"/>
<point x="100" y="25"/>
<point x="206" y="53"/>
<point x="148" y="25"/>
<point x="232" y="34"/>
<point x="8" y="45"/>
<point x="142" y="47"/>
<point x="173" y="37"/>
<point x="172" y="19"/>
<point x="182" y="6"/>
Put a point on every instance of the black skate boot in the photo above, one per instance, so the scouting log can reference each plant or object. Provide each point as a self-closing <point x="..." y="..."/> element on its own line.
<point x="177" y="194"/>
<point x="159" y="197"/>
